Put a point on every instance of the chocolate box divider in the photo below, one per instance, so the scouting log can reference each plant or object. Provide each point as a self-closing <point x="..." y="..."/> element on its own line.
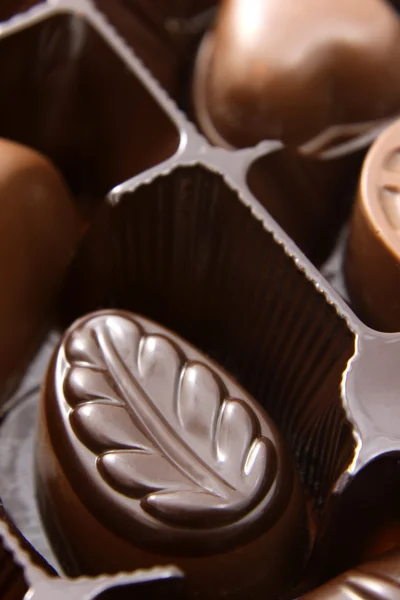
<point x="32" y="572"/>
<point x="88" y="11"/>
<point x="233" y="167"/>
<point x="193" y="147"/>
<point x="44" y="584"/>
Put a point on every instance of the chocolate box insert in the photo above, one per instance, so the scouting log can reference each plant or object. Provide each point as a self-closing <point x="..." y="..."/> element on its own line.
<point x="20" y="565"/>
<point x="309" y="197"/>
<point x="186" y="244"/>
<point x="163" y="34"/>
<point x="67" y="93"/>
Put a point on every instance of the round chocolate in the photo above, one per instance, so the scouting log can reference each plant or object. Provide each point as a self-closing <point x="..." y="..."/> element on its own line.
<point x="39" y="230"/>
<point x="149" y="453"/>
<point x="278" y="69"/>
<point x="373" y="256"/>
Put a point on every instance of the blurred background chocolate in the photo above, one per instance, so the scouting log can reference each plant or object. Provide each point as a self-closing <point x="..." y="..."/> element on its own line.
<point x="40" y="228"/>
<point x="322" y="79"/>
<point x="149" y="453"/>
<point x="272" y="71"/>
<point x="372" y="264"/>
<point x="189" y="248"/>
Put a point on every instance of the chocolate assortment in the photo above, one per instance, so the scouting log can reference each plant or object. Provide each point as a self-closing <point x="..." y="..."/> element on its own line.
<point x="214" y="411"/>
<point x="321" y="79"/>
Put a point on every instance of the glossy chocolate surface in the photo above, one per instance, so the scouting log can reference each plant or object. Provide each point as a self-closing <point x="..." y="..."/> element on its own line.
<point x="24" y="574"/>
<point x="270" y="70"/>
<point x="40" y="227"/>
<point x="172" y="458"/>
<point x="310" y="198"/>
<point x="375" y="580"/>
<point x="373" y="258"/>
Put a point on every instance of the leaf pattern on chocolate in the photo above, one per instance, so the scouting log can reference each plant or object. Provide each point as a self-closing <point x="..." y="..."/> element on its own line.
<point x="361" y="585"/>
<point x="163" y="427"/>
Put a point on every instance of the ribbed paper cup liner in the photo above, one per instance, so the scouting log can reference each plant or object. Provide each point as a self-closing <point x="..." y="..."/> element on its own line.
<point x="185" y="251"/>
<point x="310" y="198"/>
<point x="89" y="113"/>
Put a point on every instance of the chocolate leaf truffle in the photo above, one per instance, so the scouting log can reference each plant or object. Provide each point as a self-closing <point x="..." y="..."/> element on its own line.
<point x="39" y="231"/>
<point x="149" y="453"/>
<point x="278" y="69"/>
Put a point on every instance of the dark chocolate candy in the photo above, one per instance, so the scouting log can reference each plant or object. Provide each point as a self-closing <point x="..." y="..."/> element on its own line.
<point x="39" y="230"/>
<point x="375" y="580"/>
<point x="149" y="453"/>
<point x="274" y="69"/>
<point x="373" y="258"/>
